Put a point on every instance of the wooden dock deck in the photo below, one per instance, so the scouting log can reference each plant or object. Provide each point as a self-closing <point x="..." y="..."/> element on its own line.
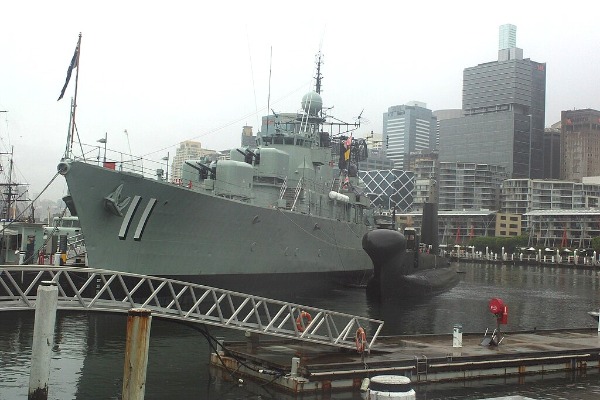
<point x="422" y="358"/>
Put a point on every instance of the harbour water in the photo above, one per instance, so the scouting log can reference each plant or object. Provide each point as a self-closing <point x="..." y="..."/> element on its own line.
<point x="88" y="360"/>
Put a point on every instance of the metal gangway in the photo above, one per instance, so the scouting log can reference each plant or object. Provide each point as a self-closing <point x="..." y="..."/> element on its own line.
<point x="89" y="289"/>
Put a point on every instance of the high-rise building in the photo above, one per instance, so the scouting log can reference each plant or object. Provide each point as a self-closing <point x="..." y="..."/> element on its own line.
<point x="469" y="186"/>
<point x="508" y="37"/>
<point x="552" y="152"/>
<point x="188" y="150"/>
<point x="248" y="138"/>
<point x="442" y="115"/>
<point x="580" y="144"/>
<point x="504" y="105"/>
<point x="408" y="128"/>
<point x="375" y="154"/>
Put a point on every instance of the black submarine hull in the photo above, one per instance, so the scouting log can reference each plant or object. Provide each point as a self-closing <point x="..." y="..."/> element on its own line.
<point x="400" y="273"/>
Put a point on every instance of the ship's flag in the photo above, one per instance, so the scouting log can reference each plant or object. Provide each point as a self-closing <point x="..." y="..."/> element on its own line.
<point x="347" y="146"/>
<point x="74" y="64"/>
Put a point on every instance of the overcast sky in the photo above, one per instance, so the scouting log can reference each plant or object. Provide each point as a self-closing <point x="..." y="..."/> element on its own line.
<point x="195" y="70"/>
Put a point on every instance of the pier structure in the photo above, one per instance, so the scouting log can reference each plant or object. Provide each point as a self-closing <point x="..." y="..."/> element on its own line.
<point x="89" y="289"/>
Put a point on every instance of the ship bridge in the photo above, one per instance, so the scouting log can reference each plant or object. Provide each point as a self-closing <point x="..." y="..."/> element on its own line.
<point x="89" y="289"/>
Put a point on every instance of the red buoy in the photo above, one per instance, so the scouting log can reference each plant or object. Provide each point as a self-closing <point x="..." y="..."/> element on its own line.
<point x="496" y="306"/>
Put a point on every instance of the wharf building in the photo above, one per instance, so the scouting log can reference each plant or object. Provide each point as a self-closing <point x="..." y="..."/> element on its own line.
<point x="389" y="189"/>
<point x="425" y="165"/>
<point x="580" y="144"/>
<point x="550" y="211"/>
<point x="460" y="185"/>
<point x="455" y="226"/>
<point x="408" y="128"/>
<point x="503" y="103"/>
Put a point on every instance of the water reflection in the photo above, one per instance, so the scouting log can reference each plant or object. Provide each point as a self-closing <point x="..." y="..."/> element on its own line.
<point x="88" y="363"/>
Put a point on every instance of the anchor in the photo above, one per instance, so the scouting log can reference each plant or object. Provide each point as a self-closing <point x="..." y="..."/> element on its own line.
<point x="113" y="203"/>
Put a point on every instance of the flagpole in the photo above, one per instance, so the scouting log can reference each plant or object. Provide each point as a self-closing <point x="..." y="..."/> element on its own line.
<point x="75" y="97"/>
<point x="68" y="144"/>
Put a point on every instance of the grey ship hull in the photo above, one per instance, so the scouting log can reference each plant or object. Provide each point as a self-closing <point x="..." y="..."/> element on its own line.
<point x="211" y="240"/>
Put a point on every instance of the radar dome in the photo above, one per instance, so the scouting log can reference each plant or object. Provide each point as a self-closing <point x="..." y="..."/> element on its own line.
<point x="312" y="103"/>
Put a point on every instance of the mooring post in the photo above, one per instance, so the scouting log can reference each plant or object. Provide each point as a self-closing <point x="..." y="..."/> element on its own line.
<point x="43" y="340"/>
<point x="136" y="353"/>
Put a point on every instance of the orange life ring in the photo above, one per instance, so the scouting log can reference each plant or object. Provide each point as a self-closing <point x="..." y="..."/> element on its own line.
<point x="361" y="340"/>
<point x="300" y="324"/>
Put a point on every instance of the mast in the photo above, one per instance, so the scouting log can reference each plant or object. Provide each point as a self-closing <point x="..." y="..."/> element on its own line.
<point x="318" y="77"/>
<point x="75" y="97"/>
<point x="10" y="193"/>
<point x="74" y="64"/>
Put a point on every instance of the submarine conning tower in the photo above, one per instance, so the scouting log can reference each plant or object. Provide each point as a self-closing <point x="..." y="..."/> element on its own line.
<point x="429" y="223"/>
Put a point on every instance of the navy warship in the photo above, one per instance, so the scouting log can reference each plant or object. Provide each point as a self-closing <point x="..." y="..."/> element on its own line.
<point x="289" y="212"/>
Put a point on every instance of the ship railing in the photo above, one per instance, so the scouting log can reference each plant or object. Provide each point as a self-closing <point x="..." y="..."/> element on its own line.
<point x="297" y="193"/>
<point x="75" y="245"/>
<point x="147" y="167"/>
<point x="90" y="289"/>
<point x="283" y="188"/>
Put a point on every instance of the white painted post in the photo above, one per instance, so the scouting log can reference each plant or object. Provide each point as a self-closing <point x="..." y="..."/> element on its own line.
<point x="295" y="366"/>
<point x="502" y="257"/>
<point x="136" y="353"/>
<point x="457" y="335"/>
<point x="43" y="339"/>
<point x="57" y="258"/>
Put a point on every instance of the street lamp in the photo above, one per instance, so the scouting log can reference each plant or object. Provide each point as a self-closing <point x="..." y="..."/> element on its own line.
<point x="103" y="140"/>
<point x="167" y="160"/>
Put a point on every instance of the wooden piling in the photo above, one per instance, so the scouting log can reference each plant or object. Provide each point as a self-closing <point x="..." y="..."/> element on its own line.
<point x="136" y="353"/>
<point x="43" y="340"/>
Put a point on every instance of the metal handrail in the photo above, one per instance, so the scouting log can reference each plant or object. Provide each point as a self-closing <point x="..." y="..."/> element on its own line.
<point x="112" y="291"/>
<point x="297" y="193"/>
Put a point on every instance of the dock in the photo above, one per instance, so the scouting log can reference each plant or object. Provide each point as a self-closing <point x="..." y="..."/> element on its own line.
<point x="296" y="367"/>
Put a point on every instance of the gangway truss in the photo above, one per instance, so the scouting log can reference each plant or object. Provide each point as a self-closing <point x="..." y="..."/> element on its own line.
<point x="90" y="289"/>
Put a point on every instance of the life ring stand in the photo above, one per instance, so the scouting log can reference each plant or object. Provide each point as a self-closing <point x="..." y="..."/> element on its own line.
<point x="300" y="321"/>
<point x="361" y="340"/>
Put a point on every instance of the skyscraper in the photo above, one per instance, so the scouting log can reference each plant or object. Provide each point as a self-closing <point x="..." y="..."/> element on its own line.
<point x="187" y="150"/>
<point x="406" y="129"/>
<point x="580" y="144"/>
<point x="504" y="105"/>
<point x="508" y="37"/>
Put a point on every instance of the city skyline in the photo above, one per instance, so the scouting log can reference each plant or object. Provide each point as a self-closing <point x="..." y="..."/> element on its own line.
<point x="170" y="74"/>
